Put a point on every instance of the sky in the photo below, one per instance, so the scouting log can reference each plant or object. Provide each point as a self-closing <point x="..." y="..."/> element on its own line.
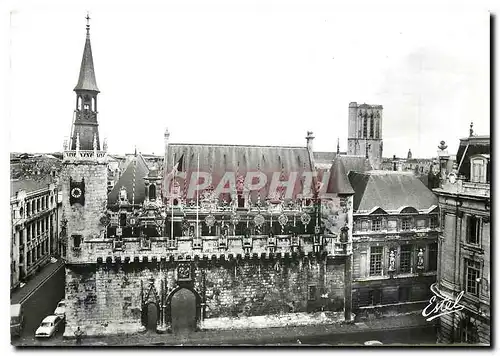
<point x="251" y="72"/>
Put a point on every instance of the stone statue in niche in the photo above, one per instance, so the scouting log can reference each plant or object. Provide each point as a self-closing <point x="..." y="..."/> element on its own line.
<point x="392" y="261"/>
<point x="420" y="259"/>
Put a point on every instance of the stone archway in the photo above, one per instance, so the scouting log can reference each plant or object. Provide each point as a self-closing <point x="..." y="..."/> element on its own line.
<point x="183" y="309"/>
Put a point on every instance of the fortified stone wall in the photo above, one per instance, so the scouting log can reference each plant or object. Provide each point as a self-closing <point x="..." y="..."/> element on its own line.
<point x="110" y="298"/>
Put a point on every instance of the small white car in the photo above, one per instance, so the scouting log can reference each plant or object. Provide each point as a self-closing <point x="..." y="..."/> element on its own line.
<point x="49" y="326"/>
<point x="61" y="309"/>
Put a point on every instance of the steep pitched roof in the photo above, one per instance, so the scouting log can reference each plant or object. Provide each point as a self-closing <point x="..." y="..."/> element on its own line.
<point x="338" y="182"/>
<point x="133" y="180"/>
<point x="86" y="80"/>
<point x="356" y="163"/>
<point x="390" y="191"/>
<point x="219" y="159"/>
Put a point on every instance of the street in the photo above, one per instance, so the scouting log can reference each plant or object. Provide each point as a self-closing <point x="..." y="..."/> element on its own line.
<point x="394" y="330"/>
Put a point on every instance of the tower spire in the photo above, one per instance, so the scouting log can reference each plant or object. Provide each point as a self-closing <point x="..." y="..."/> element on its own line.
<point x="85" y="123"/>
<point x="88" y="25"/>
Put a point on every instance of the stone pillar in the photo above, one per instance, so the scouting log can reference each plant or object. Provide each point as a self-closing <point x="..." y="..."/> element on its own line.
<point x="348" y="288"/>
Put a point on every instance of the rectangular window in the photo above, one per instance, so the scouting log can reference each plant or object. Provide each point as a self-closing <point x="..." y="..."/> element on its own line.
<point x="434" y="222"/>
<point x="406" y="224"/>
<point x="404" y="294"/>
<point x="472" y="273"/>
<point x="433" y="253"/>
<point x="21" y="237"/>
<point x="376" y="225"/>
<point x="473" y="228"/>
<point x="28" y="233"/>
<point x="311" y="293"/>
<point x="375" y="297"/>
<point x="405" y="259"/>
<point x="77" y="241"/>
<point x="375" y="260"/>
<point x="478" y="171"/>
<point x="364" y="225"/>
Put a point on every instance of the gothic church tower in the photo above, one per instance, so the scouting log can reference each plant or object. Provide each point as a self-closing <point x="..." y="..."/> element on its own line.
<point x="365" y="132"/>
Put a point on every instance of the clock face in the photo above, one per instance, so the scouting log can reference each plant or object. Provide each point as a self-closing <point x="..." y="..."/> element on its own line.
<point x="76" y="192"/>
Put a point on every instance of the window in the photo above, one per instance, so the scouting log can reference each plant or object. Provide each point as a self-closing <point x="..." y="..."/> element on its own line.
<point x="376" y="225"/>
<point x="123" y="220"/>
<point x="420" y="224"/>
<point x="364" y="225"/>
<point x="443" y="221"/>
<point x="405" y="259"/>
<point x="152" y="192"/>
<point x="311" y="293"/>
<point x="77" y="241"/>
<point x="433" y="252"/>
<point x="406" y="224"/>
<point x="37" y="205"/>
<point x="28" y="258"/>
<point x="371" y="126"/>
<point x="28" y="233"/>
<point x="404" y="294"/>
<point x="21" y="213"/>
<point x="21" y="237"/>
<point x="28" y="211"/>
<point x="241" y="201"/>
<point x="473" y="228"/>
<point x="392" y="224"/>
<point x="478" y="173"/>
<point x="472" y="269"/>
<point x="365" y="126"/>
<point x="434" y="222"/>
<point x="375" y="260"/>
<point x="375" y="296"/>
<point x="468" y="332"/>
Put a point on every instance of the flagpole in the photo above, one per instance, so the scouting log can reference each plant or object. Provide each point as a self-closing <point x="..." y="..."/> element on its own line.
<point x="197" y="199"/>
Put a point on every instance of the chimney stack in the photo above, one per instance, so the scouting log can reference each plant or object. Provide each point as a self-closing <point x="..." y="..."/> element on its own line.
<point x="310" y="139"/>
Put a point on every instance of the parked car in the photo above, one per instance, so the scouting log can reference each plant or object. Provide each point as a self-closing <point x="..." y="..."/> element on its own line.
<point x="61" y="309"/>
<point x="49" y="326"/>
<point x="373" y="343"/>
<point x="16" y="319"/>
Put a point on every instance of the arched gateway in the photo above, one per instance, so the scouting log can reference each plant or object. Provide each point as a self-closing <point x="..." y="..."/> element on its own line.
<point x="183" y="309"/>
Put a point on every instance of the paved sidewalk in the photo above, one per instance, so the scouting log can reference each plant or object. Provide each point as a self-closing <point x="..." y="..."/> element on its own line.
<point x="249" y="336"/>
<point x="20" y="294"/>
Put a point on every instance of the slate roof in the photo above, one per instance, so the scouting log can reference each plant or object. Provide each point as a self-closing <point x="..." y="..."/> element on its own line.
<point x="476" y="145"/>
<point x="219" y="159"/>
<point x="338" y="182"/>
<point x="390" y="190"/>
<point x="86" y="80"/>
<point x="133" y="180"/>
<point x="356" y="163"/>
<point x="29" y="185"/>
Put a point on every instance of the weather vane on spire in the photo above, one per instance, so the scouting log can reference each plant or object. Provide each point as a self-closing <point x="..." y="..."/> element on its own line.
<point x="88" y="23"/>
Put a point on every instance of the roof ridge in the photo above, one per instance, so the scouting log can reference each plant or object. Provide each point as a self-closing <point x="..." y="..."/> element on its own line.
<point x="233" y="145"/>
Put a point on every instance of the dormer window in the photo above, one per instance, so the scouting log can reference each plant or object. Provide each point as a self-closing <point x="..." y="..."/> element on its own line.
<point x="152" y="192"/>
<point x="479" y="167"/>
<point x="123" y="194"/>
